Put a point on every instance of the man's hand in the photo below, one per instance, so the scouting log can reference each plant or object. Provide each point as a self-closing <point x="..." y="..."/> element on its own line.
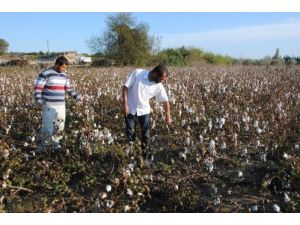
<point x="168" y="120"/>
<point x="80" y="99"/>
<point x="125" y="110"/>
<point x="40" y="106"/>
<point x="125" y="104"/>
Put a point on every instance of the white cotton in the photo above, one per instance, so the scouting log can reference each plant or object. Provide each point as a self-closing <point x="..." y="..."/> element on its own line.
<point x="222" y="122"/>
<point x="109" y="203"/>
<point x="276" y="208"/>
<point x="208" y="165"/>
<point x="187" y="140"/>
<point x="126" y="208"/>
<point x="182" y="155"/>
<point x="286" y="198"/>
<point x="129" y="192"/>
<point x="212" y="148"/>
<point x="223" y="146"/>
<point x="108" y="188"/>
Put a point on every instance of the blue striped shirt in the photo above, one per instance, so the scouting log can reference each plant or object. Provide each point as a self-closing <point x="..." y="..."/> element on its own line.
<point x="50" y="86"/>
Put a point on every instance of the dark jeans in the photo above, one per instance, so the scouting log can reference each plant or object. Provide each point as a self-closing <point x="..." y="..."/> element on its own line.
<point x="130" y="129"/>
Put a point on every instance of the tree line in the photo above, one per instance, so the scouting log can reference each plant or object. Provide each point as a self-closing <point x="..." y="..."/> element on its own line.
<point x="126" y="42"/>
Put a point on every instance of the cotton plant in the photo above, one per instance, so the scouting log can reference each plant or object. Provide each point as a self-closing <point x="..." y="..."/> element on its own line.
<point x="108" y="188"/>
<point x="6" y="174"/>
<point x="221" y="122"/>
<point x="210" y="124"/>
<point x="182" y="155"/>
<point x="129" y="192"/>
<point x="286" y="197"/>
<point x="212" y="148"/>
<point x="109" y="204"/>
<point x="201" y="139"/>
<point x="276" y="208"/>
<point x="208" y="165"/>
<point x="263" y="157"/>
<point x="187" y="140"/>
<point x="127" y="208"/>
<point x="5" y="154"/>
<point x="223" y="146"/>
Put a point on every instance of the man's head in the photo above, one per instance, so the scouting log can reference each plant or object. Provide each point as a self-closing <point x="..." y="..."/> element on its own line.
<point x="61" y="64"/>
<point x="159" y="74"/>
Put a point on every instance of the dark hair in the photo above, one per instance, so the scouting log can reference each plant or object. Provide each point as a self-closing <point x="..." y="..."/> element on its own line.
<point x="160" y="70"/>
<point x="61" y="60"/>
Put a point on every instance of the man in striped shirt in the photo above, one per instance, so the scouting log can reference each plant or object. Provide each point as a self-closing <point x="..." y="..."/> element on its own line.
<point x="50" y="87"/>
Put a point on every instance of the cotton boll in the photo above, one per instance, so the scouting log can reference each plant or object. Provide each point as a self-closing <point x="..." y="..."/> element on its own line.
<point x="212" y="148"/>
<point x="32" y="138"/>
<point x="223" y="146"/>
<point x="6" y="174"/>
<point x="129" y="192"/>
<point x="286" y="156"/>
<point x="126" y="208"/>
<point x="210" y="124"/>
<point x="110" y="140"/>
<point x="217" y="201"/>
<point x="131" y="166"/>
<point x="5" y="154"/>
<point x="263" y="157"/>
<point x="286" y="197"/>
<point x="208" y="165"/>
<point x="182" y="155"/>
<point x="187" y="140"/>
<point x="183" y="122"/>
<point x="201" y="139"/>
<point x="258" y="143"/>
<point x="103" y="195"/>
<point x="108" y="188"/>
<point x="276" y="208"/>
<point x="240" y="174"/>
<point x="246" y="127"/>
<point x="258" y="130"/>
<point x="222" y="122"/>
<point x="109" y="203"/>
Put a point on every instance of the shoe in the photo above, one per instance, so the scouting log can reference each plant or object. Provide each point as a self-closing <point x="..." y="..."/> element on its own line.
<point x="42" y="146"/>
<point x="56" y="146"/>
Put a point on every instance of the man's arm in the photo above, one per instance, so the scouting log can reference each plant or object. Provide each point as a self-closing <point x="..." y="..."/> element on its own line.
<point x="125" y="100"/>
<point x="70" y="90"/>
<point x="168" y="118"/>
<point x="38" y="89"/>
<point x="127" y="84"/>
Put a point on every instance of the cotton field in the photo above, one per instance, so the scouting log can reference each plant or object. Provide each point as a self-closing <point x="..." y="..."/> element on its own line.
<point x="233" y="145"/>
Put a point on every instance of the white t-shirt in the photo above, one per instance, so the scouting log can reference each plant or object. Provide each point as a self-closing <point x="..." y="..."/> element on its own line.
<point x="141" y="90"/>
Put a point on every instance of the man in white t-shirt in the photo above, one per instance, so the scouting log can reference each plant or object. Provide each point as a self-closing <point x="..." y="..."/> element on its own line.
<point x="139" y="88"/>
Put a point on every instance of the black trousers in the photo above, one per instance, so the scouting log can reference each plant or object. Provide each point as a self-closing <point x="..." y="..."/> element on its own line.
<point x="130" y="129"/>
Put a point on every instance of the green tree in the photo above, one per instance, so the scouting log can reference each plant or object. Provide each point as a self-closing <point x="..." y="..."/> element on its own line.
<point x="3" y="46"/>
<point x="125" y="41"/>
<point x="297" y="59"/>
